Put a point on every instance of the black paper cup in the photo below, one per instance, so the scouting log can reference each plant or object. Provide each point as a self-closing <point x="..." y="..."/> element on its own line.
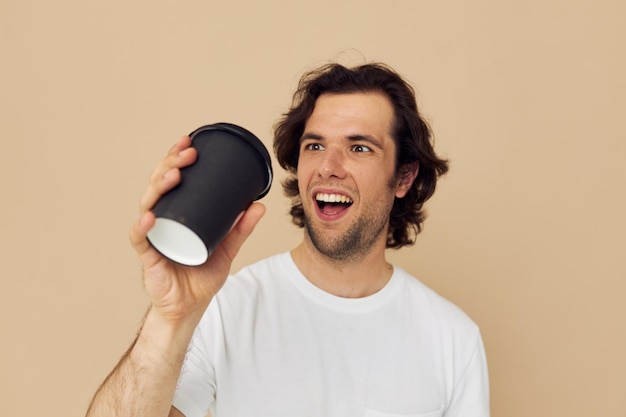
<point x="232" y="170"/>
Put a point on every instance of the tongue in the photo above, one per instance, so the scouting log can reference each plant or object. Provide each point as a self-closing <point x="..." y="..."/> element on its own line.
<point x="332" y="209"/>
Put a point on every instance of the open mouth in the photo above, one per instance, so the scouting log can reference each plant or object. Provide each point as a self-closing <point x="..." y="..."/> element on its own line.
<point x="332" y="204"/>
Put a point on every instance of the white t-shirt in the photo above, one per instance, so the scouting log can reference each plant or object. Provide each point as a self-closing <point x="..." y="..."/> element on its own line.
<point x="273" y="344"/>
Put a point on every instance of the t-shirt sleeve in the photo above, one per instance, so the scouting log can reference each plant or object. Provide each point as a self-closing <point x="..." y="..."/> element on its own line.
<point x="471" y="391"/>
<point x="195" y="391"/>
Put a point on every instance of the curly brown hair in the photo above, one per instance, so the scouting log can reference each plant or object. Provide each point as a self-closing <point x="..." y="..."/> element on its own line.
<point x="410" y="131"/>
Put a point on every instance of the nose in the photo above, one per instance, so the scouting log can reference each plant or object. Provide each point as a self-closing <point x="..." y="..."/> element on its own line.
<point x="332" y="164"/>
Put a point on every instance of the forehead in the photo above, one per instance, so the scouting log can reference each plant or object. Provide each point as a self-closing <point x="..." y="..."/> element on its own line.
<point x="351" y="113"/>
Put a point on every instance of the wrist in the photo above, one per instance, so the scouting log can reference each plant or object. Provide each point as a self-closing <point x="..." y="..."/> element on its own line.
<point x="161" y="339"/>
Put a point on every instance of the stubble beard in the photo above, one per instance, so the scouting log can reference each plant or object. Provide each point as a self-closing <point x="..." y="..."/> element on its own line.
<point x="357" y="240"/>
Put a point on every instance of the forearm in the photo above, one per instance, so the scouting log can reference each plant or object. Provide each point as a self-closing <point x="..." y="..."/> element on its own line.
<point x="144" y="381"/>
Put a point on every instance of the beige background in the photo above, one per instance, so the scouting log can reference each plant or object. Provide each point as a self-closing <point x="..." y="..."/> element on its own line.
<point x="526" y="233"/>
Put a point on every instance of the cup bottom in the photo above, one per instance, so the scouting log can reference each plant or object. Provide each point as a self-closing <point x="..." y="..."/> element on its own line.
<point x="177" y="242"/>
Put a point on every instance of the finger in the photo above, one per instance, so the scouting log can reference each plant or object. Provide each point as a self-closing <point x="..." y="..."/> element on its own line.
<point x="138" y="239"/>
<point x="242" y="230"/>
<point x="158" y="188"/>
<point x="176" y="157"/>
<point x="248" y="221"/>
<point x="167" y="173"/>
<point x="182" y="143"/>
<point x="139" y="231"/>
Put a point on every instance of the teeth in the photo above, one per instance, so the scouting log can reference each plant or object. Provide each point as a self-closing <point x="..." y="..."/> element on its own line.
<point x="333" y="198"/>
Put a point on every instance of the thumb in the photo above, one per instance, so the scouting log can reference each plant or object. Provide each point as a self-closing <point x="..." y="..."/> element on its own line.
<point x="242" y="229"/>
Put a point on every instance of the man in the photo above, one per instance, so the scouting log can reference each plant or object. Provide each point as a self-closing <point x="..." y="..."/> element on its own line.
<point x="330" y="328"/>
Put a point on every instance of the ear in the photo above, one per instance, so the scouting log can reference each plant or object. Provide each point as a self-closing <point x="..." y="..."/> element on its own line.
<point x="406" y="176"/>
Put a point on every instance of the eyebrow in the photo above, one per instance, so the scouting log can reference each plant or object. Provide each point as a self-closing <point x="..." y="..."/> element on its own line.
<point x="352" y="138"/>
<point x="366" y="138"/>
<point x="307" y="136"/>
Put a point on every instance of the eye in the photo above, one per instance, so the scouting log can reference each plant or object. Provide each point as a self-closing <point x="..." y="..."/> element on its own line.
<point x="361" y="148"/>
<point x="313" y="146"/>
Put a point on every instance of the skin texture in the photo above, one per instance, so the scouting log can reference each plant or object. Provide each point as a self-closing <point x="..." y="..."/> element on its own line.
<point x="144" y="381"/>
<point x="346" y="150"/>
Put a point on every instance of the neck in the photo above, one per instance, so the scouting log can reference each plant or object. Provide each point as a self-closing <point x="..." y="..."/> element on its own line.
<point x="356" y="277"/>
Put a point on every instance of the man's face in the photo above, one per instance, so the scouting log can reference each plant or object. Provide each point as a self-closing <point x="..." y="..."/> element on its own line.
<point x="346" y="173"/>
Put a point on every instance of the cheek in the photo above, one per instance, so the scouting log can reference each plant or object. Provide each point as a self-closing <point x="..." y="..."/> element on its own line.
<point x="303" y="181"/>
<point x="301" y="186"/>
<point x="304" y="173"/>
<point x="376" y="178"/>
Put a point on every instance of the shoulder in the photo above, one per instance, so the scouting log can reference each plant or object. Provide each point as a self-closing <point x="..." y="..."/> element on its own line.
<point x="431" y="307"/>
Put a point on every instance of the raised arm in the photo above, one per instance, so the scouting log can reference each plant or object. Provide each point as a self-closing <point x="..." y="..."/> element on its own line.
<point x="144" y="381"/>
